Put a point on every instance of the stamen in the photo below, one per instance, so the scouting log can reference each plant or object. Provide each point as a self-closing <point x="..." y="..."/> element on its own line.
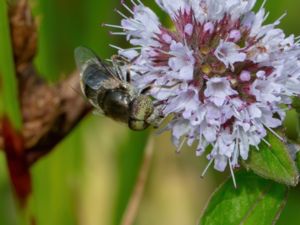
<point x="277" y="135"/>
<point x="263" y="4"/>
<point x="280" y="18"/>
<point x="138" y="1"/>
<point x="135" y="48"/>
<point x="122" y="49"/>
<point x="207" y="167"/>
<point x="297" y="40"/>
<point x="121" y="14"/>
<point x="266" y="17"/>
<point x="236" y="151"/>
<point x="112" y="26"/>
<point x="133" y="2"/>
<point x="117" y="33"/>
<point x="268" y="143"/>
<point x="162" y="51"/>
<point x="181" y="145"/>
<point x="126" y="7"/>
<point x="116" y="47"/>
<point x="232" y="174"/>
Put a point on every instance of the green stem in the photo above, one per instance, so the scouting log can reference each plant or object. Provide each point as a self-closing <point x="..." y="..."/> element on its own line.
<point x="9" y="105"/>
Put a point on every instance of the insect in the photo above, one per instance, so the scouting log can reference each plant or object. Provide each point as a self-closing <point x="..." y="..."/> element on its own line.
<point x="107" y="87"/>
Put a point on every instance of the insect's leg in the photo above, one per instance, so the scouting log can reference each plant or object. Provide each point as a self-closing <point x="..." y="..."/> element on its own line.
<point x="118" y="59"/>
<point x="116" y="62"/>
<point x="146" y="89"/>
<point x="134" y="58"/>
<point x="155" y="119"/>
<point x="123" y="59"/>
<point x="128" y="74"/>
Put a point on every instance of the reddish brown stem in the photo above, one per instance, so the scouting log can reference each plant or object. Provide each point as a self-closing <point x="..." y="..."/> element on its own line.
<point x="49" y="112"/>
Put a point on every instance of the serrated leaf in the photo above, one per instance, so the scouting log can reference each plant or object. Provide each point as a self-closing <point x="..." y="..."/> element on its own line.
<point x="256" y="201"/>
<point x="273" y="162"/>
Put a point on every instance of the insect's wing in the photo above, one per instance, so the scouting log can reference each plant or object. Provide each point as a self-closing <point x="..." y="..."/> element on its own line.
<point x="83" y="56"/>
<point x="94" y="73"/>
<point x="90" y="66"/>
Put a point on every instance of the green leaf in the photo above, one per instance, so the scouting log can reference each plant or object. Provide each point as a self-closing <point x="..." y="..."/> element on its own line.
<point x="256" y="201"/>
<point x="296" y="104"/>
<point x="296" y="121"/>
<point x="273" y="162"/>
<point x="291" y="124"/>
<point x="298" y="160"/>
<point x="9" y="104"/>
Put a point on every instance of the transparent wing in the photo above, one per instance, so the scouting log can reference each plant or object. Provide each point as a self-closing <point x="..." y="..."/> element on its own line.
<point x="92" y="69"/>
<point x="96" y="76"/>
<point x="85" y="57"/>
<point x="92" y="73"/>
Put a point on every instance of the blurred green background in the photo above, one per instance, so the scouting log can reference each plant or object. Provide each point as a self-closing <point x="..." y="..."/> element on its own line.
<point x="87" y="179"/>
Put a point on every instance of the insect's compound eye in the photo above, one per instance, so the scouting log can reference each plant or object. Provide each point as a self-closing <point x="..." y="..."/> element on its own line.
<point x="137" y="125"/>
<point x="141" y="108"/>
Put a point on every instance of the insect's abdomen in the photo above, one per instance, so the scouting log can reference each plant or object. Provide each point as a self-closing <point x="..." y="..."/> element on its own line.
<point x="115" y="104"/>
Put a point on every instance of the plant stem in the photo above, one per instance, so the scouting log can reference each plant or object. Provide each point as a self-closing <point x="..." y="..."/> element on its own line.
<point x="135" y="199"/>
<point x="9" y="88"/>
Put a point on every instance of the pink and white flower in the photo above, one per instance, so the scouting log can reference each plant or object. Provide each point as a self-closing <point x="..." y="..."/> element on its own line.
<point x="220" y="72"/>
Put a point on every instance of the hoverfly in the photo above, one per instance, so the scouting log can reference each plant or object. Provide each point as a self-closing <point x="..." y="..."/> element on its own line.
<point x="107" y="87"/>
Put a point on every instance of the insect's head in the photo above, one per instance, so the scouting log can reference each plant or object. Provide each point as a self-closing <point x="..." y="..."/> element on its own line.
<point x="141" y="108"/>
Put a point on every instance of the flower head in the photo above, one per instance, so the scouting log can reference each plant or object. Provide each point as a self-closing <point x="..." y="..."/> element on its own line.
<point x="221" y="73"/>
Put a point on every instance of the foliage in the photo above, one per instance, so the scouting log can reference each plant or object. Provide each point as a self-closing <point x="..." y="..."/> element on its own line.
<point x="255" y="201"/>
<point x="101" y="156"/>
